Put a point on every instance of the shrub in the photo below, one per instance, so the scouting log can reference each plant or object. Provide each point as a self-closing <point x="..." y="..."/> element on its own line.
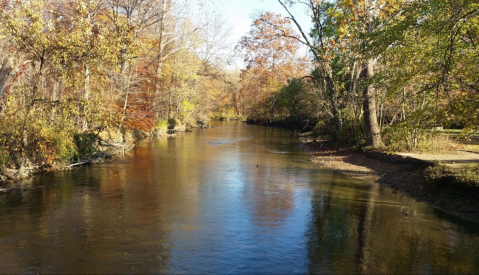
<point x="4" y="157"/>
<point x="162" y="124"/>
<point x="85" y="144"/>
<point x="172" y="123"/>
<point x="62" y="142"/>
<point x="434" y="142"/>
<point x="403" y="137"/>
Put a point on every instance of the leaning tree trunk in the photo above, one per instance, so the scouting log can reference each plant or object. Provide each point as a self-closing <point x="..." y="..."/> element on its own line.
<point x="373" y="133"/>
<point x="7" y="72"/>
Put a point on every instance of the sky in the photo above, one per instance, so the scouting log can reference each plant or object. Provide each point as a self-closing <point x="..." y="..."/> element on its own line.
<point x="238" y="14"/>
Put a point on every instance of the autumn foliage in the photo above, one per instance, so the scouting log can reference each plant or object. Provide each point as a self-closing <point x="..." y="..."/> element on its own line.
<point x="272" y="56"/>
<point x="87" y="67"/>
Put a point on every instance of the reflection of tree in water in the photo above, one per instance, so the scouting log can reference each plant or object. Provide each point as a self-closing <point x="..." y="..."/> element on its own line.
<point x="362" y="231"/>
<point x="268" y="188"/>
<point x="333" y="233"/>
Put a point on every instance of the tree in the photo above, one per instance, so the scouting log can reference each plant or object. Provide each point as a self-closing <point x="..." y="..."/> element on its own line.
<point x="320" y="49"/>
<point x="355" y="22"/>
<point x="271" y="57"/>
<point x="426" y="50"/>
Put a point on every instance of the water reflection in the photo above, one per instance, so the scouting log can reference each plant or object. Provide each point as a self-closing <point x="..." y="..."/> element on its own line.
<point x="377" y="232"/>
<point x="232" y="199"/>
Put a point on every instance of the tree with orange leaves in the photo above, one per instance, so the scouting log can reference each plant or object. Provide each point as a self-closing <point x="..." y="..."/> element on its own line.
<point x="271" y="54"/>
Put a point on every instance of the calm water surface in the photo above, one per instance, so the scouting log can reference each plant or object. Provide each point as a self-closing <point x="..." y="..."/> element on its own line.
<point x="231" y="199"/>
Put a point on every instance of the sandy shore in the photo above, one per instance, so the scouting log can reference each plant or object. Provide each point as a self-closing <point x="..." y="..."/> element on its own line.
<point x="401" y="173"/>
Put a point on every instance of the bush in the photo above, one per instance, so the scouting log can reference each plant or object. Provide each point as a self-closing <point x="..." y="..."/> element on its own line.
<point x="85" y="144"/>
<point x="4" y="157"/>
<point x="434" y="142"/>
<point x="173" y="122"/>
<point x="62" y="142"/>
<point x="324" y="128"/>
<point x="403" y="137"/>
<point x="162" y="124"/>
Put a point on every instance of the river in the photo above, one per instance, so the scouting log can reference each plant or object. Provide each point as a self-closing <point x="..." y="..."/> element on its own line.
<point x="231" y="199"/>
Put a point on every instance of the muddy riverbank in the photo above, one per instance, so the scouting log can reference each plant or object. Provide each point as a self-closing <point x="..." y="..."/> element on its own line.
<point x="403" y="174"/>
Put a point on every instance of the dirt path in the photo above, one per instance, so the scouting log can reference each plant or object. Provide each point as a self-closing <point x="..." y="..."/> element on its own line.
<point x="402" y="172"/>
<point x="453" y="159"/>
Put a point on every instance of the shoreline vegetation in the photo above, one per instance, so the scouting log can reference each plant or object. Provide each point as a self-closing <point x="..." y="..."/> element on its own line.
<point x="104" y="145"/>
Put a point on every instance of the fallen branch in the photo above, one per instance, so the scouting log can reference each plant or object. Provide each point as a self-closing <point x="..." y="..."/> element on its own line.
<point x="79" y="163"/>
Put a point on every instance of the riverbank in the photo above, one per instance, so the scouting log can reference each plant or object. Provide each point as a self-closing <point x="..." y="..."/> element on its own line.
<point x="103" y="146"/>
<point x="402" y="173"/>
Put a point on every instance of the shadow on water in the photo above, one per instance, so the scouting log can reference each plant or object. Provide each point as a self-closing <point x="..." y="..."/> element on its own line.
<point x="224" y="200"/>
<point x="385" y="234"/>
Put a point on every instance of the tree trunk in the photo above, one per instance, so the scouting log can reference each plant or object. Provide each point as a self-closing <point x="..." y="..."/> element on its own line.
<point x="328" y="74"/>
<point x="373" y="133"/>
<point x="87" y="96"/>
<point x="6" y="74"/>
<point x="161" y="48"/>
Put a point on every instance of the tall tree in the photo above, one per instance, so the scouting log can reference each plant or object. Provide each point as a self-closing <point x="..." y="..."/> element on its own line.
<point x="357" y="21"/>
<point x="319" y="45"/>
<point x="271" y="57"/>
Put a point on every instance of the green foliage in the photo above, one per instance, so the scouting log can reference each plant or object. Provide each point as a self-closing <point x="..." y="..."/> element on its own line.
<point x="187" y="109"/>
<point x="351" y="132"/>
<point x="436" y="172"/>
<point x="63" y="143"/>
<point x="469" y="175"/>
<point x="162" y="124"/>
<point x="403" y="137"/>
<point x="324" y="128"/>
<point x="173" y="123"/>
<point x="4" y="157"/>
<point x="85" y="144"/>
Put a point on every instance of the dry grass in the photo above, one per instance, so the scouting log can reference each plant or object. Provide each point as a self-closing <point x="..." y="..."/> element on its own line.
<point x="439" y="143"/>
<point x="472" y="147"/>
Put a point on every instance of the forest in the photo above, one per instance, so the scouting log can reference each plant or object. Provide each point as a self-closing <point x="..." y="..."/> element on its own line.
<point x="78" y="75"/>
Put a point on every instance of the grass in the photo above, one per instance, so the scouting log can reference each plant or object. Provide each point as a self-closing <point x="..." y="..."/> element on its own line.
<point x="472" y="147"/>
<point x="436" y="144"/>
<point x="442" y="176"/>
<point x="460" y="134"/>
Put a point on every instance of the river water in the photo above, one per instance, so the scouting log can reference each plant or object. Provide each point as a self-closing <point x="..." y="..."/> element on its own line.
<point x="231" y="199"/>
